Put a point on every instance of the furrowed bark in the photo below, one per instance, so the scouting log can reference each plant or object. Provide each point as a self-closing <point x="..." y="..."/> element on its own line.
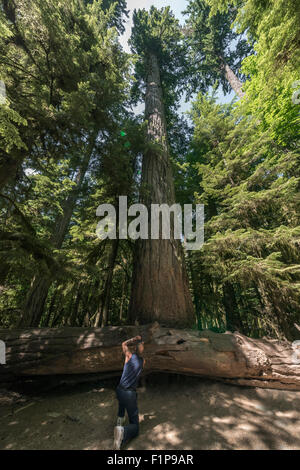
<point x="233" y="80"/>
<point x="160" y="288"/>
<point x="232" y="358"/>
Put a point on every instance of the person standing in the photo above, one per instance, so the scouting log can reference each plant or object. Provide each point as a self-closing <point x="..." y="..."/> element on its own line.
<point x="126" y="393"/>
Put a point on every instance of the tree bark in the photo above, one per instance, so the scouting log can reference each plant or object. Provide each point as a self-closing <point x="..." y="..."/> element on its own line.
<point x="35" y="301"/>
<point x="102" y="314"/>
<point x="74" y="311"/>
<point x="233" y="80"/>
<point x="160" y="287"/>
<point x="233" y="320"/>
<point x="197" y="298"/>
<point x="232" y="358"/>
<point x="46" y="320"/>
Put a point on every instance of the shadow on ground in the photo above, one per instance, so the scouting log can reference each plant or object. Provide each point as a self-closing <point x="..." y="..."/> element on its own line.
<point x="175" y="413"/>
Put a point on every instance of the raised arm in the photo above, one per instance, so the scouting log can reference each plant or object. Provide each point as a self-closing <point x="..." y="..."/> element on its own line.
<point x="125" y="348"/>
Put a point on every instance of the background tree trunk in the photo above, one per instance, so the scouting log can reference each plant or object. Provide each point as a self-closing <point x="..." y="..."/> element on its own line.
<point x="160" y="287"/>
<point x="102" y="314"/>
<point x="35" y="301"/>
<point x="232" y="79"/>
<point x="232" y="358"/>
<point x="233" y="319"/>
<point x="196" y="290"/>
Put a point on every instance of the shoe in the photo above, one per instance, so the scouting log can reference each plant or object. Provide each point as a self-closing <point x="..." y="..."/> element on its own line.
<point x="118" y="437"/>
<point x="121" y="421"/>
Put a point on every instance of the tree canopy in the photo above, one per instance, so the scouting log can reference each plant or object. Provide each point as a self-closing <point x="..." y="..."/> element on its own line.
<point x="69" y="141"/>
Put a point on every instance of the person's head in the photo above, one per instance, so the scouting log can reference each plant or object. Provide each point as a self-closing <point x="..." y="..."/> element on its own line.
<point x="139" y="348"/>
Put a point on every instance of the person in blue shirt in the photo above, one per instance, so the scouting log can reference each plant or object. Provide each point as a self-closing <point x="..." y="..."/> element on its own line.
<point x="126" y="393"/>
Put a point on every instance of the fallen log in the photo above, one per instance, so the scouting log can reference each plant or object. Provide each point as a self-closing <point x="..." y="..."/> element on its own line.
<point x="230" y="357"/>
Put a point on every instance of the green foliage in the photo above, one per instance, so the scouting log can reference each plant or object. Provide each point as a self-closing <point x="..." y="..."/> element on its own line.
<point x="158" y="32"/>
<point x="243" y="165"/>
<point x="274" y="69"/>
<point x="10" y="121"/>
<point x="212" y="43"/>
<point x="66" y="79"/>
<point x="250" y="187"/>
<point x="68" y="144"/>
<point x="64" y="73"/>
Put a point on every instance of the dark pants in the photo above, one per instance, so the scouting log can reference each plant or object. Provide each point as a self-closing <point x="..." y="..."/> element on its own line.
<point x="128" y="401"/>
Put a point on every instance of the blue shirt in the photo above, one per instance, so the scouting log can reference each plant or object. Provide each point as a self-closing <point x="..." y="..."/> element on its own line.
<point x="131" y="372"/>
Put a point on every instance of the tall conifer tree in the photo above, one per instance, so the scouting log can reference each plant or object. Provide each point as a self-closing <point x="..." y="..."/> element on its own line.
<point x="160" y="288"/>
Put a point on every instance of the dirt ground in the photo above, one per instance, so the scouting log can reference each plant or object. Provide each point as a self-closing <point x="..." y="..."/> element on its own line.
<point x="175" y="413"/>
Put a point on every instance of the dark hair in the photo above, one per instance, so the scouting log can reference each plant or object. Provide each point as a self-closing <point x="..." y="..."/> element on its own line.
<point x="137" y="345"/>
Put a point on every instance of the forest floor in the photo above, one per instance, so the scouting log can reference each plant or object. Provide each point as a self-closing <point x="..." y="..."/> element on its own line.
<point x="175" y="413"/>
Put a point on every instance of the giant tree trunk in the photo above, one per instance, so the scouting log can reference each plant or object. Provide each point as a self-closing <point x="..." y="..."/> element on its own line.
<point x="38" y="292"/>
<point x="232" y="358"/>
<point x="160" y="288"/>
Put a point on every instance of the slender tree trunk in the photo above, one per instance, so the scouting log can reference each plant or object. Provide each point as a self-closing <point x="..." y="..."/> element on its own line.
<point x="84" y="312"/>
<point x="46" y="321"/>
<point x="35" y="300"/>
<point x="56" y="314"/>
<point x="160" y="287"/>
<point x="57" y="320"/>
<point x="233" y="80"/>
<point x="37" y="295"/>
<point x="233" y="320"/>
<point x="74" y="312"/>
<point x="123" y="296"/>
<point x="197" y="299"/>
<point x="102" y="314"/>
